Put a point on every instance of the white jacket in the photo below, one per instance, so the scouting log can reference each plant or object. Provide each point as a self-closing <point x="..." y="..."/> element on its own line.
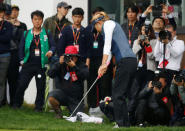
<point x="174" y="53"/>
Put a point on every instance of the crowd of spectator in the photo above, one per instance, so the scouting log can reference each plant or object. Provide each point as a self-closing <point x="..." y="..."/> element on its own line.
<point x="147" y="86"/>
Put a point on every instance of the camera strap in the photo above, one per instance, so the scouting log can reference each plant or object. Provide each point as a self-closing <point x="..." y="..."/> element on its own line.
<point x="1" y="26"/>
<point x="130" y="30"/>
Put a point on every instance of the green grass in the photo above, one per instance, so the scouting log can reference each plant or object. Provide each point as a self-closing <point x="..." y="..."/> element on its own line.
<point x="25" y="119"/>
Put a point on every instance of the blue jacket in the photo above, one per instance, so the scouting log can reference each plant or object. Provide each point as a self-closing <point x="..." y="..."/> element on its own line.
<point x="94" y="52"/>
<point x="5" y="37"/>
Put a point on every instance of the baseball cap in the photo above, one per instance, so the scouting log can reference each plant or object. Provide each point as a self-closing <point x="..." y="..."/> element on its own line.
<point x="64" y="4"/>
<point x="71" y="50"/>
<point x="15" y="7"/>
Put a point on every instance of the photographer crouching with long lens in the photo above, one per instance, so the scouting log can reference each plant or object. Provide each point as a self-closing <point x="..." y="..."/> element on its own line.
<point x="177" y="90"/>
<point x="169" y="51"/>
<point x="152" y="108"/>
<point x="72" y="72"/>
<point x="143" y="48"/>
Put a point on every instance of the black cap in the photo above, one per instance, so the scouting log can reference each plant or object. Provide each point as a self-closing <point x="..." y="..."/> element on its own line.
<point x="64" y="4"/>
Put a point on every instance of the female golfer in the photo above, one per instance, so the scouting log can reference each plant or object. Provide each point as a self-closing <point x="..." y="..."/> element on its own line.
<point x="116" y="43"/>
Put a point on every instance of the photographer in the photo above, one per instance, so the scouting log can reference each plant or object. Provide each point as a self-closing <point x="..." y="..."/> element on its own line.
<point x="152" y="106"/>
<point x="132" y="26"/>
<point x="169" y="51"/>
<point x="177" y="90"/>
<point x="158" y="22"/>
<point x="143" y="47"/>
<point x="72" y="74"/>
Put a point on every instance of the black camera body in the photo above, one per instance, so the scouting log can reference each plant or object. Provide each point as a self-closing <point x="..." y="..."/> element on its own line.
<point x="156" y="84"/>
<point x="180" y="77"/>
<point x="67" y="58"/>
<point x="164" y="34"/>
<point x="157" y="8"/>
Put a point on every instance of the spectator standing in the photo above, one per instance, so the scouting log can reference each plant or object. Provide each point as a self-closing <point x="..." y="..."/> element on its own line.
<point x="57" y="22"/>
<point x="13" y="70"/>
<point x="74" y="35"/>
<point x="37" y="45"/>
<point x="5" y="37"/>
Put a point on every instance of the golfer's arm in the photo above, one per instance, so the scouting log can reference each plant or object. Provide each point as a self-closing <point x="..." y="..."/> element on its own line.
<point x="108" y="30"/>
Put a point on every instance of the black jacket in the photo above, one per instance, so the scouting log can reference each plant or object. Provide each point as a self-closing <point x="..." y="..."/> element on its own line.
<point x="5" y="37"/>
<point x="71" y="88"/>
<point x="153" y="100"/>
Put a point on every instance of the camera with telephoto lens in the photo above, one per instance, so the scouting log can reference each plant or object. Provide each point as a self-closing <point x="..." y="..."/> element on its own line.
<point x="67" y="58"/>
<point x="156" y="82"/>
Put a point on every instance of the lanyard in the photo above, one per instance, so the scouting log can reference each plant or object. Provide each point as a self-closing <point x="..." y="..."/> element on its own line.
<point x="76" y="35"/>
<point x="1" y="25"/>
<point x="96" y="36"/>
<point x="36" y="41"/>
<point x="60" y="30"/>
<point x="130" y="33"/>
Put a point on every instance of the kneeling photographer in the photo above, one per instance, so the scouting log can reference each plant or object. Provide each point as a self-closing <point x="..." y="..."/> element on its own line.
<point x="72" y="72"/>
<point x="177" y="90"/>
<point x="152" y="107"/>
<point x="169" y="51"/>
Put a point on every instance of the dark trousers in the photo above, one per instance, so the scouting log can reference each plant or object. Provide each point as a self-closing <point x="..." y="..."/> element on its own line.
<point x="66" y="100"/>
<point x="13" y="73"/>
<point x="4" y="63"/>
<point x="27" y="73"/>
<point x="104" y="85"/>
<point x="124" y="77"/>
<point x="160" y="115"/>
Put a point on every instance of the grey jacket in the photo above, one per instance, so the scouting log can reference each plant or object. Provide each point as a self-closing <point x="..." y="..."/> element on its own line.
<point x="151" y="64"/>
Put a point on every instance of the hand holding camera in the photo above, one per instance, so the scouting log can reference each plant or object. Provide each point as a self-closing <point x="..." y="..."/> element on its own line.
<point x="69" y="61"/>
<point x="178" y="80"/>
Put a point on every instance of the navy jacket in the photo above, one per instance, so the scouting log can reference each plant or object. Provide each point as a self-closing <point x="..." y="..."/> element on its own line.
<point x="67" y="39"/>
<point x="94" y="52"/>
<point x="5" y="37"/>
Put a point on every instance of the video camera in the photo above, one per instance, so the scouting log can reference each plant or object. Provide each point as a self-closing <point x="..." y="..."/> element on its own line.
<point x="67" y="58"/>
<point x="157" y="8"/>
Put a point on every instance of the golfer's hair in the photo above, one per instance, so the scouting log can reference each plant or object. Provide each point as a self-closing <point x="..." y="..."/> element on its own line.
<point x="100" y="14"/>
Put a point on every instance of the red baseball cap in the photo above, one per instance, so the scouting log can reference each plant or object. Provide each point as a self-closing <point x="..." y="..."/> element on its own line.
<point x="71" y="50"/>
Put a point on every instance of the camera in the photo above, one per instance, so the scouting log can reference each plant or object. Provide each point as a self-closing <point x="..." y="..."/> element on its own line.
<point x="67" y="58"/>
<point x="180" y="77"/>
<point x="156" y="84"/>
<point x="164" y="34"/>
<point x="157" y="8"/>
<point x="142" y="37"/>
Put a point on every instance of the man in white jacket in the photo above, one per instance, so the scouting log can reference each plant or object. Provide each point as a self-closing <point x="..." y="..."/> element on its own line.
<point x="174" y="50"/>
